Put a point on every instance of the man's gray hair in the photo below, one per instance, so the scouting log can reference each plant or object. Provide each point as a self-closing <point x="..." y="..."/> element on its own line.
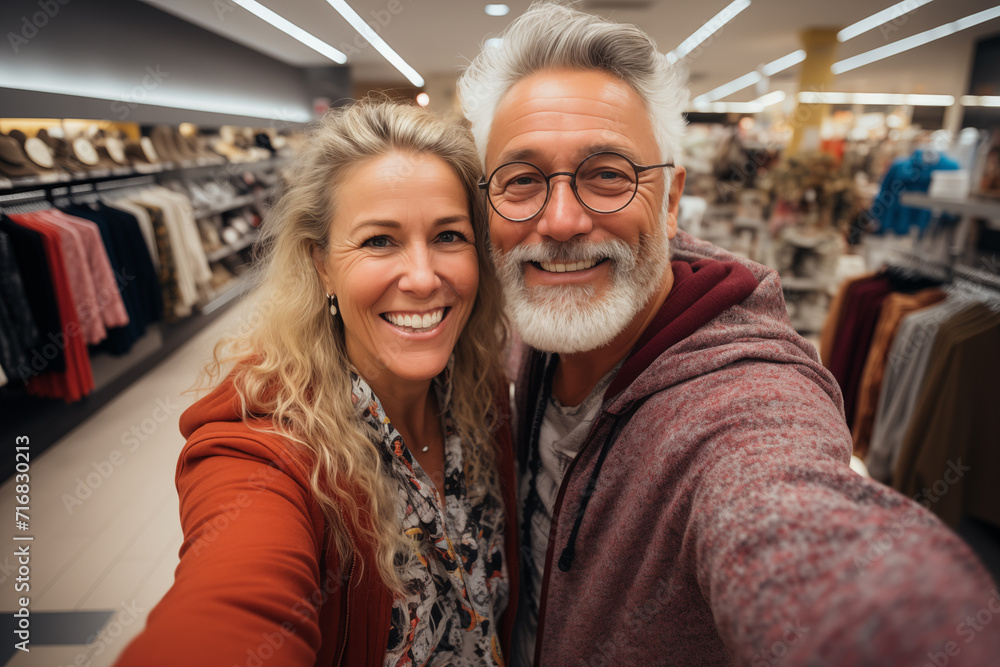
<point x="549" y="35"/>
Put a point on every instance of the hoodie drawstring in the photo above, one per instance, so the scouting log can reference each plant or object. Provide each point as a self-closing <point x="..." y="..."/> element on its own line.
<point x="569" y="553"/>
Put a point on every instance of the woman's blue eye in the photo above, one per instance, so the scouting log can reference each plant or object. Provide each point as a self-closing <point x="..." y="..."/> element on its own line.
<point x="451" y="237"/>
<point x="377" y="242"/>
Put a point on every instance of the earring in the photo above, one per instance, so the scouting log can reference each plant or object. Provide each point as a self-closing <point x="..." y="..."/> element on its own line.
<point x="333" y="304"/>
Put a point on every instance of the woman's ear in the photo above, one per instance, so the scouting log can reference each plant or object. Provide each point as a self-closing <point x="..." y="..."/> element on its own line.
<point x="319" y="261"/>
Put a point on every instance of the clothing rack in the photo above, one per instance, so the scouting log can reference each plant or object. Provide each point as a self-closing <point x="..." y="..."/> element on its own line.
<point x="22" y="196"/>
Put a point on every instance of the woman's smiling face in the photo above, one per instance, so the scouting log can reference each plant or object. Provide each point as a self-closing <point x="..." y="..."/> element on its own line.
<point x="402" y="262"/>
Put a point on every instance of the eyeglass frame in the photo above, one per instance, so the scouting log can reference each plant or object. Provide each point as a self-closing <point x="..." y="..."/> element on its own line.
<point x="637" y="168"/>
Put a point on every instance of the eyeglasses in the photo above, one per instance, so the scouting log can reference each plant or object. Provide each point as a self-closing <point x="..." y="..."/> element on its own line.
<point x="604" y="182"/>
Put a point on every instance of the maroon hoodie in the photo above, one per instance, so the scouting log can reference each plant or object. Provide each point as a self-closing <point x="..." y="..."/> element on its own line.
<point x="711" y="517"/>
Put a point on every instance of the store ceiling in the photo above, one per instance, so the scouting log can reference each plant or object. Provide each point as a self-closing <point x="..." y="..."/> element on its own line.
<point x="438" y="37"/>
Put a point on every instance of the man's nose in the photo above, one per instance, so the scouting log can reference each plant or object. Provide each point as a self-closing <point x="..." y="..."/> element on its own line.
<point x="564" y="216"/>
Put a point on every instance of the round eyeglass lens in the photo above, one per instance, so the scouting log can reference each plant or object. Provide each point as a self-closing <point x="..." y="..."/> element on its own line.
<point x="605" y="182"/>
<point x="518" y="190"/>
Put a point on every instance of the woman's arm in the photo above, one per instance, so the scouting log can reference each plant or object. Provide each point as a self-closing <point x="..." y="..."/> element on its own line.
<point x="248" y="585"/>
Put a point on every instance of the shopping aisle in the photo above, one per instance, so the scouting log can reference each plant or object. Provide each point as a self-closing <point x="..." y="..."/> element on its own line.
<point x="104" y="517"/>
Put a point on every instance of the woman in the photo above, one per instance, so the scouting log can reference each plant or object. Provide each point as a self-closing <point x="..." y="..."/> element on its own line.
<point x="347" y="491"/>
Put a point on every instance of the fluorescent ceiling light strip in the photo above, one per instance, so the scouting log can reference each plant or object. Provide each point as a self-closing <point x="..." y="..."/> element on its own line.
<point x="914" y="41"/>
<point x="783" y="63"/>
<point x="878" y="18"/>
<point x="773" y="97"/>
<point x="369" y="34"/>
<point x="756" y="106"/>
<point x="876" y="99"/>
<point x="749" y="79"/>
<point x="733" y="86"/>
<point x="292" y="30"/>
<point x="123" y="101"/>
<point x="710" y="28"/>
<point x="930" y="100"/>
<point x="980" y="100"/>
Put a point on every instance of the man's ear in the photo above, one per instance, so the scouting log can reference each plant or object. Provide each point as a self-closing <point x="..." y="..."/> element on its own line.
<point x="676" y="190"/>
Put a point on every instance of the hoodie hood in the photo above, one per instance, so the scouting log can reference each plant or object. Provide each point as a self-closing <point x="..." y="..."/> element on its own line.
<point x="722" y="309"/>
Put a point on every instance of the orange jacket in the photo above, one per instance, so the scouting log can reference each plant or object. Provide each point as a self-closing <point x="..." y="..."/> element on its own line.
<point x="249" y="588"/>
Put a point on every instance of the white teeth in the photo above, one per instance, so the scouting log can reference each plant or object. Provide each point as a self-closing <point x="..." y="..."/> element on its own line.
<point x="554" y="267"/>
<point x="417" y="322"/>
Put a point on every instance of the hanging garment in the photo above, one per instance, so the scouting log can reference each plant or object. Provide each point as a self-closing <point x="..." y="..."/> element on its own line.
<point x="895" y="307"/>
<point x="912" y="174"/>
<point x="835" y="317"/>
<point x="950" y="455"/>
<point x="18" y="332"/>
<point x="863" y="302"/>
<point x="109" y="301"/>
<point x="169" y="287"/>
<point x="189" y="256"/>
<point x="145" y="225"/>
<point x="135" y="276"/>
<point x="78" y="380"/>
<point x="81" y="282"/>
<point x="904" y="377"/>
<point x="36" y="276"/>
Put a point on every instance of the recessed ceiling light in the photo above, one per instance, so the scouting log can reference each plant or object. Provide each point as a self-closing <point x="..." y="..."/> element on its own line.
<point x="710" y="28"/>
<point x="423" y="99"/>
<point x="292" y="30"/>
<point x="372" y="37"/>
<point x="497" y="10"/>
<point x="494" y="43"/>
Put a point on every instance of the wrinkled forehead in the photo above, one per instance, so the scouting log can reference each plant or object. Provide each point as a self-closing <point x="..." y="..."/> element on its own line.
<point x="569" y="114"/>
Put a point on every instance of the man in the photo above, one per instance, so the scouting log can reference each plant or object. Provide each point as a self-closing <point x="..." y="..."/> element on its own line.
<point x="685" y="490"/>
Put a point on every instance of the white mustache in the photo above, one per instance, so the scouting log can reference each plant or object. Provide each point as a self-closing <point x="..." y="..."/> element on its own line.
<point x="621" y="253"/>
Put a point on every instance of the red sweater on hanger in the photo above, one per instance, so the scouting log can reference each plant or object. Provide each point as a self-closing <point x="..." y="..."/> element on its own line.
<point x="77" y="380"/>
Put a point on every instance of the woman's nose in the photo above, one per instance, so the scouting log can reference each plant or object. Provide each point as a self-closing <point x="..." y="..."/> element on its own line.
<point x="419" y="273"/>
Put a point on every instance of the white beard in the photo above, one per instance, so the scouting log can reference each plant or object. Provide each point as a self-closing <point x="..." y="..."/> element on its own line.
<point x="570" y="318"/>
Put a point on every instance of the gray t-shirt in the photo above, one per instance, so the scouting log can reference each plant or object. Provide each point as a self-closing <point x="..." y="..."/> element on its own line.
<point x="564" y="428"/>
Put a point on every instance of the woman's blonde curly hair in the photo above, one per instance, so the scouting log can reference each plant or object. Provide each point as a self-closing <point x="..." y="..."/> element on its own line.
<point x="291" y="367"/>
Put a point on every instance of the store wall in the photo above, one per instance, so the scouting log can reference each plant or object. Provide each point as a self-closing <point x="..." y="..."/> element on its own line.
<point x="134" y="56"/>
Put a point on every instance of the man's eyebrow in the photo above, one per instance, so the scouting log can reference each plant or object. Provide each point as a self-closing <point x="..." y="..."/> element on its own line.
<point x="530" y="154"/>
